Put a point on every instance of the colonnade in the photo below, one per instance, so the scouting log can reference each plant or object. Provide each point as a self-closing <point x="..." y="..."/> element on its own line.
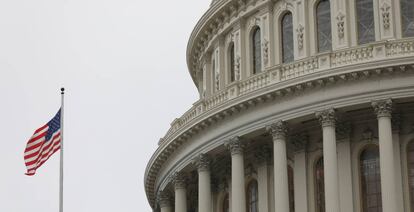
<point x="278" y="131"/>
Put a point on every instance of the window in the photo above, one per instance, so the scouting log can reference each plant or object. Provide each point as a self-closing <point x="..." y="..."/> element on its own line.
<point x="257" y="54"/>
<point x="231" y="62"/>
<point x="291" y="190"/>
<point x="252" y="198"/>
<point x="226" y="203"/>
<point x="287" y="38"/>
<point x="410" y="164"/>
<point x="323" y="24"/>
<point x="407" y="18"/>
<point x="319" y="186"/>
<point x="370" y="180"/>
<point x="365" y="21"/>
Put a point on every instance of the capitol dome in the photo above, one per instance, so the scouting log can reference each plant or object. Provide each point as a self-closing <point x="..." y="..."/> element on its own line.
<point x="305" y="106"/>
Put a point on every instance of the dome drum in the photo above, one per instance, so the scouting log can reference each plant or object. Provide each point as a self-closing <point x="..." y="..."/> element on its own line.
<point x="298" y="100"/>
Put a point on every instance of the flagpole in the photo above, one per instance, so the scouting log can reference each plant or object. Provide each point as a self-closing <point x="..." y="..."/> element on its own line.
<point x="61" y="153"/>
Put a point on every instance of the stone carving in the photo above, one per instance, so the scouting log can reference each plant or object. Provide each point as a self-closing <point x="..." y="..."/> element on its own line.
<point x="237" y="67"/>
<point x="385" y="12"/>
<point x="278" y="130"/>
<point x="299" y="34"/>
<point x="234" y="145"/>
<point x="382" y="108"/>
<point x="164" y="199"/>
<point x="326" y="117"/>
<point x="265" y="51"/>
<point x="341" y="24"/>
<point x="368" y="135"/>
<point x="202" y="162"/>
<point x="179" y="180"/>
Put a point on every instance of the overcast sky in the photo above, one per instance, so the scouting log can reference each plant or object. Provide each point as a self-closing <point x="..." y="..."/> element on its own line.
<point x="123" y="65"/>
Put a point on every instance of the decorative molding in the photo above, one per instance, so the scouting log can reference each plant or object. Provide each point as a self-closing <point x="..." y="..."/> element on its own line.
<point x="327" y="117"/>
<point x="299" y="34"/>
<point x="386" y="16"/>
<point x="179" y="180"/>
<point x="277" y="130"/>
<point x="164" y="199"/>
<point x="340" y="18"/>
<point x="265" y="45"/>
<point x="368" y="135"/>
<point x="382" y="108"/>
<point x="234" y="145"/>
<point x="202" y="162"/>
<point x="237" y="68"/>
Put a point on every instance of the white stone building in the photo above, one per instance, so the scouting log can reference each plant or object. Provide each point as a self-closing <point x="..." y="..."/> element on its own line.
<point x="305" y="106"/>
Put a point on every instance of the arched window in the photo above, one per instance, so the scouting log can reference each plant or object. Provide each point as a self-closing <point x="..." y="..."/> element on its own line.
<point x="407" y="18"/>
<point x="323" y="24"/>
<point x="252" y="197"/>
<point x="257" y="51"/>
<point x="291" y="190"/>
<point x="231" y="62"/>
<point x="365" y="21"/>
<point x="287" y="38"/>
<point x="410" y="164"/>
<point x="370" y="180"/>
<point x="319" y="186"/>
<point x="226" y="203"/>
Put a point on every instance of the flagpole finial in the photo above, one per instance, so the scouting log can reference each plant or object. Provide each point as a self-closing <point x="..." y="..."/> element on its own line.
<point x="62" y="90"/>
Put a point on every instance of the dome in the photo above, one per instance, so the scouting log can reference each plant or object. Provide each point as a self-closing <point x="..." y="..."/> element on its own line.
<point x="298" y="100"/>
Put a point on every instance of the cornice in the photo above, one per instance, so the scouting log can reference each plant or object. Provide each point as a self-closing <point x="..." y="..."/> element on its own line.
<point x="237" y="105"/>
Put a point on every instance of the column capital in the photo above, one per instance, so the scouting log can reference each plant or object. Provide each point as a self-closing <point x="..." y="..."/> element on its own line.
<point x="179" y="180"/>
<point x="202" y="162"/>
<point x="383" y="108"/>
<point x="234" y="145"/>
<point x="326" y="117"/>
<point x="164" y="199"/>
<point x="278" y="130"/>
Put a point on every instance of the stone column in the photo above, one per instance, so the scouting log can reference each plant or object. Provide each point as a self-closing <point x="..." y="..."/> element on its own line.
<point x="180" y="192"/>
<point x="330" y="159"/>
<point x="300" y="142"/>
<point x="278" y="131"/>
<point x="204" y="183"/>
<point x="238" y="193"/>
<point x="164" y="201"/>
<point x="262" y="158"/>
<point x="383" y="110"/>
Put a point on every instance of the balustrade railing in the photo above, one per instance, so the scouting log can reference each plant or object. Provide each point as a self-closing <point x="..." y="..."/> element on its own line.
<point x="283" y="72"/>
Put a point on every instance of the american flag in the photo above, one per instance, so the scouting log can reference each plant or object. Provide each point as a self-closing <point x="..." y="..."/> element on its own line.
<point x="44" y="142"/>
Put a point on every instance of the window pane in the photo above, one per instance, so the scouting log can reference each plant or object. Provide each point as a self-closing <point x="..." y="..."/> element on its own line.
<point x="320" y="186"/>
<point x="323" y="14"/>
<point x="365" y="21"/>
<point x="231" y="59"/>
<point x="407" y="17"/>
<point x="257" y="54"/>
<point x="371" y="180"/>
<point x="252" y="203"/>
<point x="287" y="38"/>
